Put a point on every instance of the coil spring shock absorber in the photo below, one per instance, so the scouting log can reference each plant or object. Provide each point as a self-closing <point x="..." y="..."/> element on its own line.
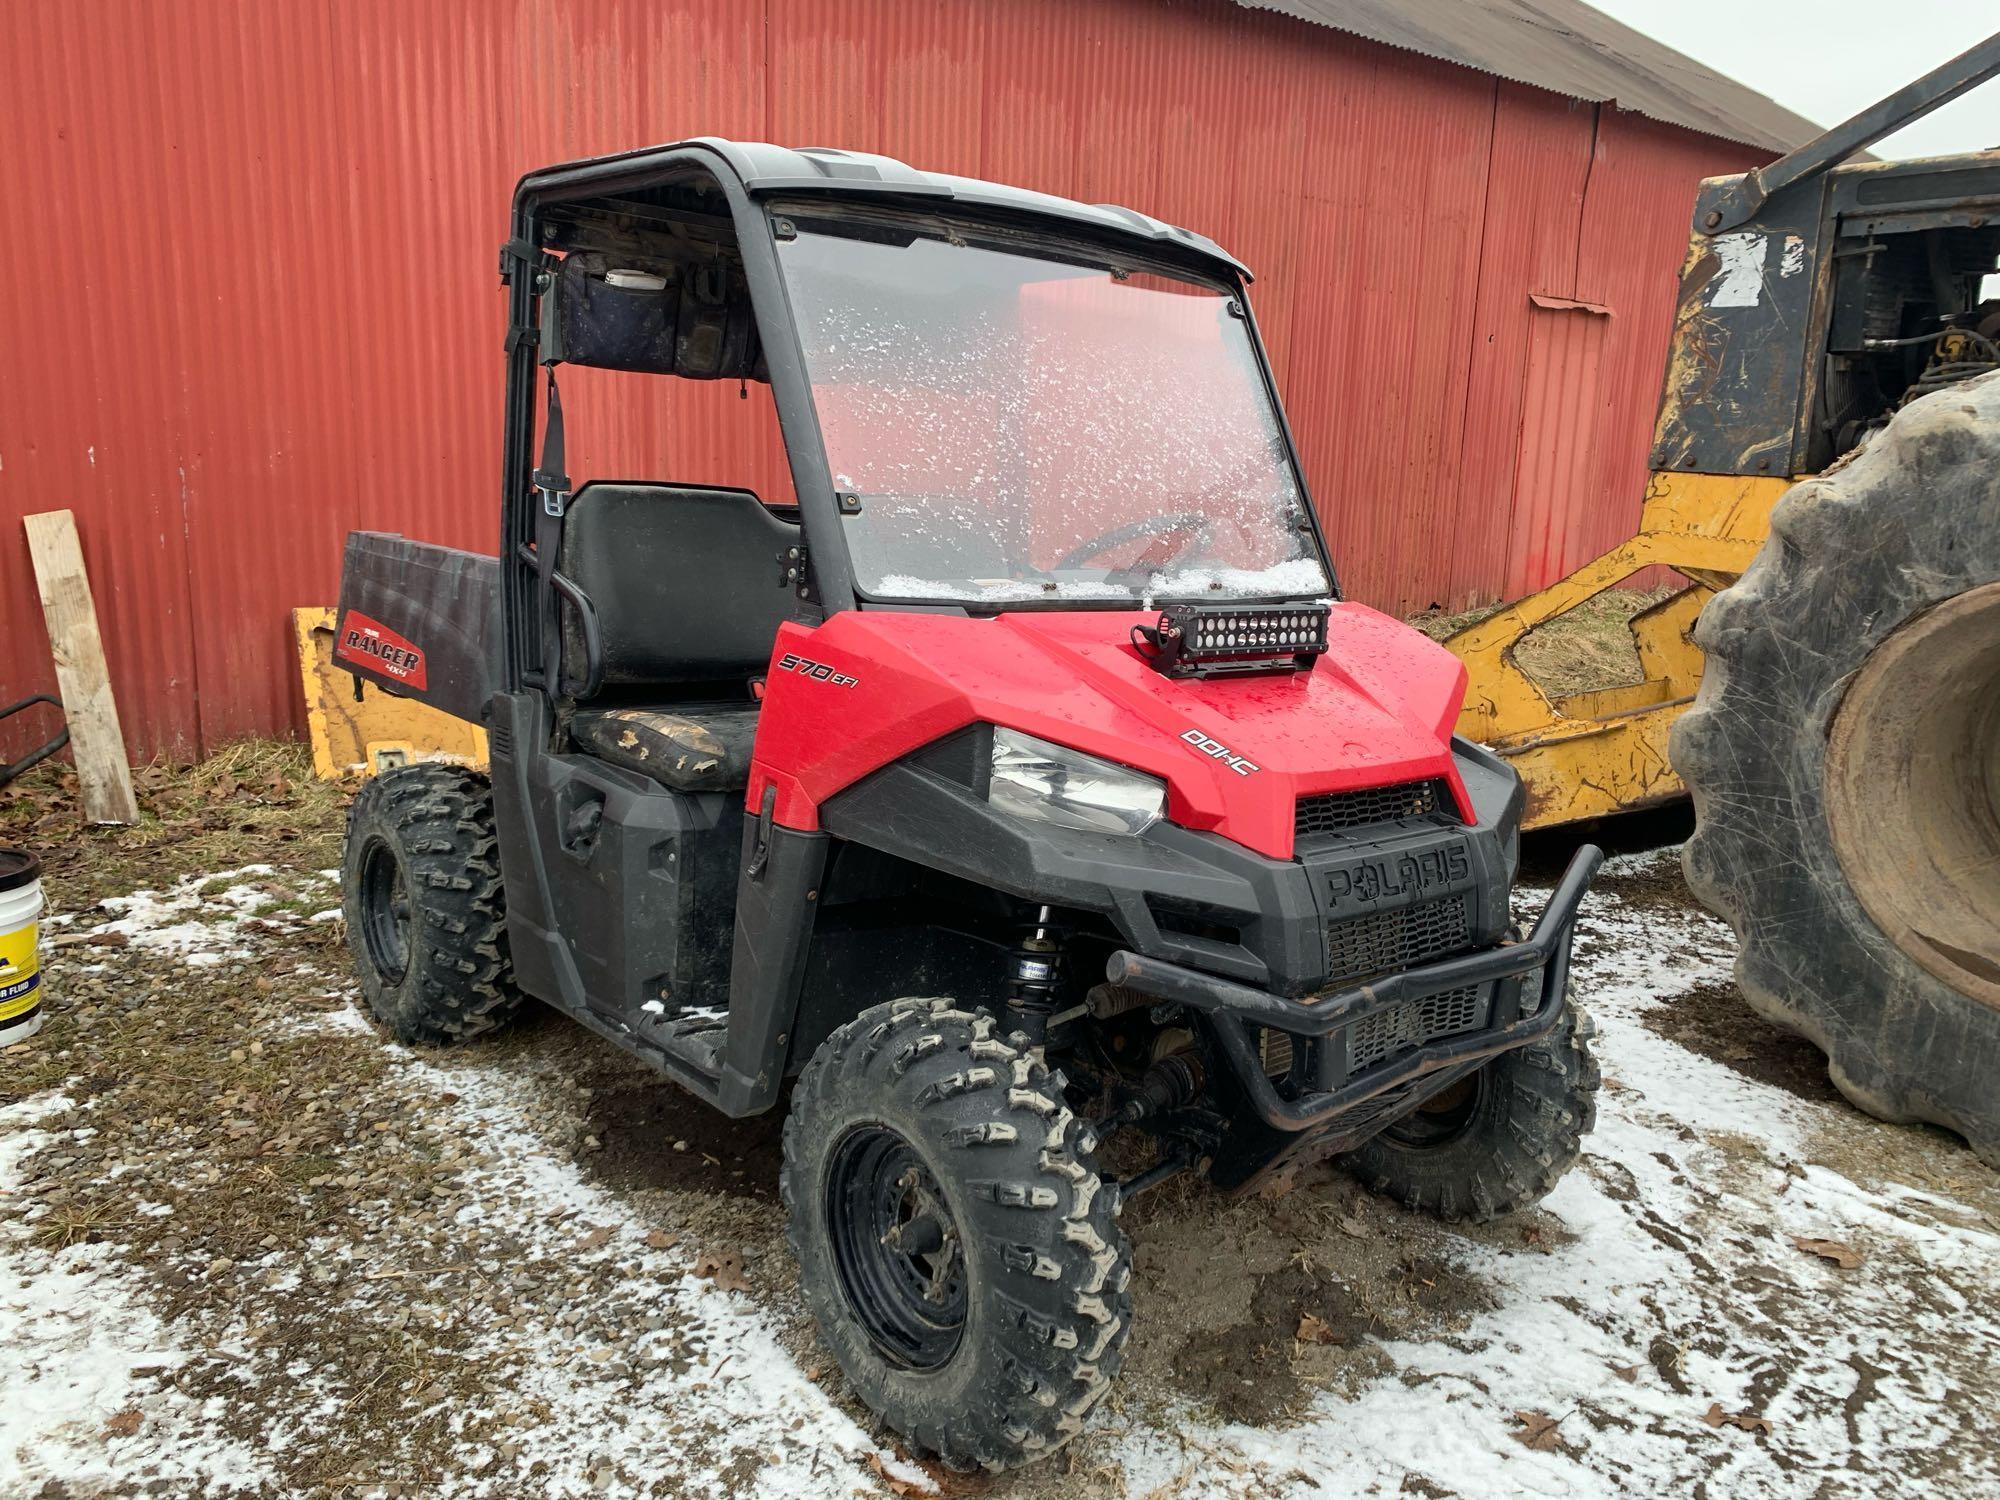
<point x="1031" y="996"/>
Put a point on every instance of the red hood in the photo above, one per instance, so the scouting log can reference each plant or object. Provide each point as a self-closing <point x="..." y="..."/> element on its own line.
<point x="1236" y="753"/>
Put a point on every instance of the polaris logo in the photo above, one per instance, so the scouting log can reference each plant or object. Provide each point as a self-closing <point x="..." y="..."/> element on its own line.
<point x="1216" y="750"/>
<point x="1408" y="876"/>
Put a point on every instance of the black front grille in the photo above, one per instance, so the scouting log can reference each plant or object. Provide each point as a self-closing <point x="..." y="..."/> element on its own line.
<point x="1406" y="1027"/>
<point x="1336" y="812"/>
<point x="1385" y="941"/>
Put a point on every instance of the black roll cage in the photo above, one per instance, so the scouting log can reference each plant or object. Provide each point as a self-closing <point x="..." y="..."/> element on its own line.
<point x="529" y="612"/>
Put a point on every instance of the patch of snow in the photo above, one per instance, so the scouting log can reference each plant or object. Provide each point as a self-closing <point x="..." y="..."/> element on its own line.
<point x="198" y="920"/>
<point x="1682" y="1262"/>
<point x="740" y="1390"/>
<point x="1291" y="579"/>
<point x="76" y="1341"/>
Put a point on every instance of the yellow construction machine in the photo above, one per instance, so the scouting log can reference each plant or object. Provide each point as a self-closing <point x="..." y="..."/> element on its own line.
<point x="1816" y="299"/>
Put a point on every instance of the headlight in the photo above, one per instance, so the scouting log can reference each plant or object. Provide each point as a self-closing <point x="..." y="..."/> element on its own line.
<point x="1035" y="779"/>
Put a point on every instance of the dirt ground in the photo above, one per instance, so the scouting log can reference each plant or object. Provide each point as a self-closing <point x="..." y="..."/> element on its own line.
<point x="247" y="1244"/>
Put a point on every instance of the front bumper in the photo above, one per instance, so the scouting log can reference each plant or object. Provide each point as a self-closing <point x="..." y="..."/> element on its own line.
<point x="1520" y="989"/>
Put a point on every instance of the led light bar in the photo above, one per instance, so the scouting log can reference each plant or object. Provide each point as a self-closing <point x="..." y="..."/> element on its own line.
<point x="1193" y="640"/>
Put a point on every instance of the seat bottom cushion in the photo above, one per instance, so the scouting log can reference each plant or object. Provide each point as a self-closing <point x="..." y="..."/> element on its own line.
<point x="692" y="748"/>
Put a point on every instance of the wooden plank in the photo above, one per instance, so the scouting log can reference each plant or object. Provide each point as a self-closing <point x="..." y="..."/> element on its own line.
<point x="71" y="613"/>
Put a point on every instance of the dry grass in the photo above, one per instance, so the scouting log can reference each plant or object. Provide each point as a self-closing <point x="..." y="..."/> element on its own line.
<point x="1587" y="649"/>
<point x="1590" y="647"/>
<point x="251" y="802"/>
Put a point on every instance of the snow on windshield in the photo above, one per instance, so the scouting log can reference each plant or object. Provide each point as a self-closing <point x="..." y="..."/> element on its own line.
<point x="1022" y="429"/>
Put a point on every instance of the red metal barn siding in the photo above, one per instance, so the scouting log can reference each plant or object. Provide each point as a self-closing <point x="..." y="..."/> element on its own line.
<point x="257" y="304"/>
<point x="1563" y="417"/>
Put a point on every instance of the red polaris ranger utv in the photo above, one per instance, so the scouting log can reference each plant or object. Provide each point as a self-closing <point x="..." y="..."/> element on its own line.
<point x="1026" y="782"/>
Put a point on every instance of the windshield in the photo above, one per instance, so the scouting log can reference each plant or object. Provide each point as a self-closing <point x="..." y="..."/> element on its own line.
<point x="1017" y="428"/>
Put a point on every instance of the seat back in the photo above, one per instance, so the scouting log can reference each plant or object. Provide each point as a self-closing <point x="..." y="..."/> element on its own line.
<point x="686" y="583"/>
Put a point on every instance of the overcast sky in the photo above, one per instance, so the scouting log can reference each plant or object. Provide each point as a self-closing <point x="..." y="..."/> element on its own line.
<point x="1828" y="58"/>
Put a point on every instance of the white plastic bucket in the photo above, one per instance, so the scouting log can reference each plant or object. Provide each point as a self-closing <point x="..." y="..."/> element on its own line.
<point x="20" y="970"/>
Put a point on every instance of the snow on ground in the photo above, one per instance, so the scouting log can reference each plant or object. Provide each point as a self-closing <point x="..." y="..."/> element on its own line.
<point x="1670" y="1286"/>
<point x="201" y="920"/>
<point x="86" y="1368"/>
<point x="712" y="1358"/>
<point x="1681" y="1287"/>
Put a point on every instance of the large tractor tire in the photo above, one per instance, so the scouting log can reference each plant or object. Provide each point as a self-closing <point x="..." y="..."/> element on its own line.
<point x="1844" y="756"/>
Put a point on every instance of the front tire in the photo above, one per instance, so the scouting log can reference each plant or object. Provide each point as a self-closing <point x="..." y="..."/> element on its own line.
<point x="1497" y="1141"/>
<point x="426" y="916"/>
<point x="954" y="1244"/>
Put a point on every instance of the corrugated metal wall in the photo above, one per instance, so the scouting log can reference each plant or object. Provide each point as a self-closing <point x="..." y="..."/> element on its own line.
<point x="253" y="302"/>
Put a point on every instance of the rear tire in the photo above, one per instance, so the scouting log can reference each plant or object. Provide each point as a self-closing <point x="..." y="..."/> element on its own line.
<point x="1844" y="758"/>
<point x="959" y="1253"/>
<point x="1498" y="1141"/>
<point x="426" y="916"/>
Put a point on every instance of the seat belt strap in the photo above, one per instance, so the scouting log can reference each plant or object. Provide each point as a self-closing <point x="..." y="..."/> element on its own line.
<point x="550" y="476"/>
<point x="551" y="483"/>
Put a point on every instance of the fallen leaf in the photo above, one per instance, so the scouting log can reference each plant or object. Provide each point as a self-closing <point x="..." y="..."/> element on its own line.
<point x="1715" y="1416"/>
<point x="124" y="1424"/>
<point x="897" y="1484"/>
<point x="1538" y="1430"/>
<point x="1626" y="1373"/>
<point x="1844" y="1256"/>
<point x="598" y="1238"/>
<point x="725" y="1270"/>
<point x="1314" y="1330"/>
<point x="659" y="1240"/>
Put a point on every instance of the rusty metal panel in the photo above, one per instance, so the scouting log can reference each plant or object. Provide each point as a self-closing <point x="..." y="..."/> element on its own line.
<point x="258" y="305"/>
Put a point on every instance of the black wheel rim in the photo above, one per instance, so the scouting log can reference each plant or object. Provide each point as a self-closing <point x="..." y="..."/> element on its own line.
<point x="385" y="912"/>
<point x="897" y="1248"/>
<point x="1442" y="1118"/>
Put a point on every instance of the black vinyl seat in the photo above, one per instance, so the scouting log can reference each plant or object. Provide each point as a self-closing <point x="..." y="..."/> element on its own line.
<point x="686" y="583"/>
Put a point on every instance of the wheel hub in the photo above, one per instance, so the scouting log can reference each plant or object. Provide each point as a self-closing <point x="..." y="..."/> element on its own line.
<point x="897" y="1248"/>
<point x="1913" y="790"/>
<point x="385" y="912"/>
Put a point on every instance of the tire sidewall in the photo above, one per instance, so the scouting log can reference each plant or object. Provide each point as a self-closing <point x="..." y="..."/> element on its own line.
<point x="1854" y="555"/>
<point x="941" y="1391"/>
<point x="1039" y="1346"/>
<point x="1535" y="1106"/>
<point x="399" y="1005"/>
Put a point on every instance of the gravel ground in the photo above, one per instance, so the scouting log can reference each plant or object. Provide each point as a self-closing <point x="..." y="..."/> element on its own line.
<point x="246" y="1243"/>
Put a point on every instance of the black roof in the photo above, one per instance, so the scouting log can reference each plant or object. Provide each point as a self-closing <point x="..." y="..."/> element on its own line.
<point x="813" y="171"/>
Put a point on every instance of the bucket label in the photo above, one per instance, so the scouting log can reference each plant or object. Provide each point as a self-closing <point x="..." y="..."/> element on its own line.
<point x="20" y="982"/>
<point x="371" y="644"/>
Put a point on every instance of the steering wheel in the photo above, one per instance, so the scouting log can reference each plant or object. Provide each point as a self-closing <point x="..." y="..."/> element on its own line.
<point x="1132" y="531"/>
